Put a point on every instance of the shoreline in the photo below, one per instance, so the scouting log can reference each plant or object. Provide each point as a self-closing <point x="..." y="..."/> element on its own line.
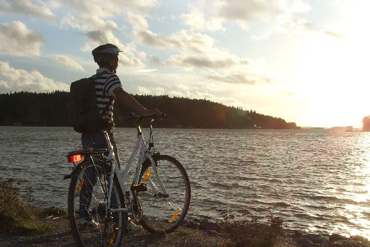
<point x="193" y="232"/>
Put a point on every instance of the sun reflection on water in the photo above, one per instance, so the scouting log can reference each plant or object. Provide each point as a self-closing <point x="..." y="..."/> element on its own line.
<point x="359" y="187"/>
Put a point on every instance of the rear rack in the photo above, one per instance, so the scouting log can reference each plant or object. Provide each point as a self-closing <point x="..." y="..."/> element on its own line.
<point x="88" y="151"/>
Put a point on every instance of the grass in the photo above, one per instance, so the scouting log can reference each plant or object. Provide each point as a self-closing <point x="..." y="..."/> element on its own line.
<point x="18" y="217"/>
<point x="54" y="212"/>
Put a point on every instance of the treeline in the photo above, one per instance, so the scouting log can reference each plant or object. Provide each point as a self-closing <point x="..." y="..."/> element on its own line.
<point x="50" y="109"/>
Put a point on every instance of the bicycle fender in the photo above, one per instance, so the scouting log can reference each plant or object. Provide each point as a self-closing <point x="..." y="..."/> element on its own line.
<point x="76" y="170"/>
<point x="74" y="173"/>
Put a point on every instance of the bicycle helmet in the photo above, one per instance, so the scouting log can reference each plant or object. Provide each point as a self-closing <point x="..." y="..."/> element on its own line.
<point x="103" y="53"/>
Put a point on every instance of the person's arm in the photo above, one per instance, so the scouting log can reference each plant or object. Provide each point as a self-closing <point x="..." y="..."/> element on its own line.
<point x="126" y="100"/>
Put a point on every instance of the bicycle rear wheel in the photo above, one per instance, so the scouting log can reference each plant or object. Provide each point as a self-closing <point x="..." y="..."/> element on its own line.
<point x="91" y="222"/>
<point x="164" y="213"/>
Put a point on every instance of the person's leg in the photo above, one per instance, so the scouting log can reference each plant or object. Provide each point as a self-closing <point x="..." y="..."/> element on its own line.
<point x="96" y="140"/>
<point x="112" y="140"/>
<point x="89" y="181"/>
<point x="114" y="199"/>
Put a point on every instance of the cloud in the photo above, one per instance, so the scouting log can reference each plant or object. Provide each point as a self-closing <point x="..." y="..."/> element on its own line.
<point x="16" y="39"/>
<point x="68" y="62"/>
<point x="147" y="37"/>
<point x="152" y="90"/>
<point x="109" y="9"/>
<point x="98" y="23"/>
<point x="97" y="31"/>
<point x="335" y="34"/>
<point x="235" y="10"/>
<point x="242" y="78"/>
<point x="182" y="40"/>
<point x="194" y="42"/>
<point x="127" y="58"/>
<point x="154" y="59"/>
<point x="91" y="15"/>
<point x="89" y="23"/>
<point x="12" y="80"/>
<point x="131" y="61"/>
<point x="198" y="51"/>
<point x="204" y="62"/>
<point x="192" y="86"/>
<point x="197" y="20"/>
<point x="196" y="87"/>
<point x="294" y="25"/>
<point x="143" y="90"/>
<point x="102" y="37"/>
<point x="26" y="7"/>
<point x="211" y="15"/>
<point x="156" y="40"/>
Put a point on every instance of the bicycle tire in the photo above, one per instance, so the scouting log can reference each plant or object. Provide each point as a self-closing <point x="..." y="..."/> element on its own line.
<point x="102" y="229"/>
<point x="164" y="214"/>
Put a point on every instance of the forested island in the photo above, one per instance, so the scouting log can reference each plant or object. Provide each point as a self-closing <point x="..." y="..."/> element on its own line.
<point x="50" y="109"/>
<point x="366" y="123"/>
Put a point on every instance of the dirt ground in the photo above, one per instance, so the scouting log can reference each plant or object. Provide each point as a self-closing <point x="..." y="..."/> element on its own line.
<point x="183" y="236"/>
<point x="62" y="237"/>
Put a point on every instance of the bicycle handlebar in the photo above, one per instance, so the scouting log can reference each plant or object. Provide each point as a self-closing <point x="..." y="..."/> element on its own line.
<point x="140" y="118"/>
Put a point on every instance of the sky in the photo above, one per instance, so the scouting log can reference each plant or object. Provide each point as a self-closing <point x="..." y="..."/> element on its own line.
<point x="300" y="60"/>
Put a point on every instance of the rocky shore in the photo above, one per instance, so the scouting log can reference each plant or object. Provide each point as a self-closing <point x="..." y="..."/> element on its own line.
<point x="22" y="225"/>
<point x="193" y="232"/>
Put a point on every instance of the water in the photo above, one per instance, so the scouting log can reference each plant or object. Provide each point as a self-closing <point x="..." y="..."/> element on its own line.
<point x="315" y="180"/>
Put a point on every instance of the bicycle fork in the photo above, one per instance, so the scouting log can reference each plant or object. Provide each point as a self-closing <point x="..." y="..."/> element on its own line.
<point x="158" y="193"/>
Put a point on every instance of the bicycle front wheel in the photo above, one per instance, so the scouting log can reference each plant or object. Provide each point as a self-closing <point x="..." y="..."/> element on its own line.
<point x="166" y="201"/>
<point x="92" y="222"/>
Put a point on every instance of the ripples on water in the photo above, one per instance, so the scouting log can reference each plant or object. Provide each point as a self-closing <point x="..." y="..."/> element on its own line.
<point x="315" y="180"/>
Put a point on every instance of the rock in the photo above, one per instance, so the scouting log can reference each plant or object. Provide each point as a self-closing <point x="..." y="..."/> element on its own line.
<point x="209" y="226"/>
<point x="192" y="224"/>
<point x="304" y="242"/>
<point x="348" y="243"/>
<point x="336" y="237"/>
<point x="310" y="240"/>
<point x="317" y="239"/>
<point x="297" y="234"/>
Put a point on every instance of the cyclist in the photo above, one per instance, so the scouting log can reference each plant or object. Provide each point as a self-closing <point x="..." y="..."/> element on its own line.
<point x="108" y="90"/>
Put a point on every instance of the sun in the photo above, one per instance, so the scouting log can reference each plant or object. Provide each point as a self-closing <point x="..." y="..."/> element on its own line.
<point x="336" y="81"/>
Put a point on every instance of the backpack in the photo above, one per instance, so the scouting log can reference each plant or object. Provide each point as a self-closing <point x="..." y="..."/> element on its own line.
<point x="83" y="108"/>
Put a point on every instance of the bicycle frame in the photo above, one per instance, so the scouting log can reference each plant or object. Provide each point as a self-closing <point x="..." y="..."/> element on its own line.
<point x="144" y="151"/>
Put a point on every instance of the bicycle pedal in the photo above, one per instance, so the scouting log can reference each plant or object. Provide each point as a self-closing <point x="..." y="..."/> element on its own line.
<point x="139" y="187"/>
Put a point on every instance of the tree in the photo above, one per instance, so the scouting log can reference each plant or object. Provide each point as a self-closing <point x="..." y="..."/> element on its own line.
<point x="50" y="109"/>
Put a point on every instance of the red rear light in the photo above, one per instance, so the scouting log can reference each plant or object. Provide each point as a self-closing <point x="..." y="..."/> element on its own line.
<point x="75" y="158"/>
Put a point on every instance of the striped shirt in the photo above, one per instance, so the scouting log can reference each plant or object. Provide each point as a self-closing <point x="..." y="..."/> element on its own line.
<point x="105" y="84"/>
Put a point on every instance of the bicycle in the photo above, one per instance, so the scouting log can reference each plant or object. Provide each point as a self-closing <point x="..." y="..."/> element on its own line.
<point x="158" y="197"/>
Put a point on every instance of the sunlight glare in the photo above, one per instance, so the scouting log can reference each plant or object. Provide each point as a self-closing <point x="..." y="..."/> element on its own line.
<point x="336" y="78"/>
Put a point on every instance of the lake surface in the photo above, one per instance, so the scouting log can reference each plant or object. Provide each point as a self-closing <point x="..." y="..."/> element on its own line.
<point x="315" y="180"/>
